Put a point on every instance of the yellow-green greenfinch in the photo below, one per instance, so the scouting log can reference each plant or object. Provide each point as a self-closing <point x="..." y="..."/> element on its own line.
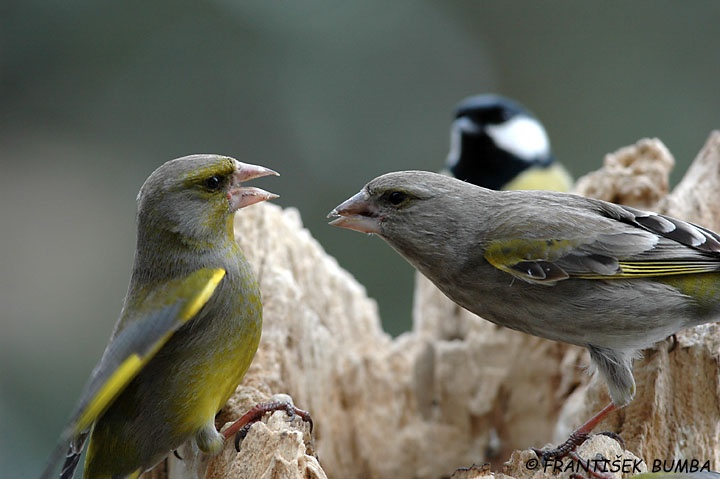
<point x="188" y="330"/>
<point x="610" y="278"/>
<point x="497" y="143"/>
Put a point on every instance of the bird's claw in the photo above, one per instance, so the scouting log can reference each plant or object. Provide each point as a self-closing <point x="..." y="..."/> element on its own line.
<point x="241" y="427"/>
<point x="568" y="447"/>
<point x="563" y="449"/>
<point x="240" y="436"/>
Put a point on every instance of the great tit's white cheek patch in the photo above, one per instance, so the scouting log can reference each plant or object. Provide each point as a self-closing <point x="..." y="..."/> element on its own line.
<point x="523" y="136"/>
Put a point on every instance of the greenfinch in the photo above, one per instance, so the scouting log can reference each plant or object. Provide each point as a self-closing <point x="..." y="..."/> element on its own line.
<point x="610" y="278"/>
<point x="497" y="143"/>
<point x="188" y="330"/>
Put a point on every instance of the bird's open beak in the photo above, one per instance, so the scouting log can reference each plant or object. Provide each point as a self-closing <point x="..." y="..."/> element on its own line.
<point x="356" y="213"/>
<point x="241" y="196"/>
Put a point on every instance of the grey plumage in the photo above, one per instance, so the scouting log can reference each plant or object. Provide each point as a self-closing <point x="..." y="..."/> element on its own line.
<point x="609" y="278"/>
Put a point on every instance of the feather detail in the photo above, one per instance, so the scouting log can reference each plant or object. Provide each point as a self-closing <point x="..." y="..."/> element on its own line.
<point x="127" y="354"/>
<point x="640" y="245"/>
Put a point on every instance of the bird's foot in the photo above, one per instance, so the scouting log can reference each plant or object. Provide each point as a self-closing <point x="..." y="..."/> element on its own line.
<point x="570" y="444"/>
<point x="568" y="447"/>
<point x="242" y="426"/>
<point x="576" y="438"/>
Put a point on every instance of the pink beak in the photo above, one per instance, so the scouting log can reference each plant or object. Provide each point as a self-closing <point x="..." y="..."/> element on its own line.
<point x="241" y="196"/>
<point x="357" y="213"/>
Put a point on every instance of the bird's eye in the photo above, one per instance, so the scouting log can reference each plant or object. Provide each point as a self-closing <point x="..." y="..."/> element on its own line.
<point x="212" y="183"/>
<point x="396" y="197"/>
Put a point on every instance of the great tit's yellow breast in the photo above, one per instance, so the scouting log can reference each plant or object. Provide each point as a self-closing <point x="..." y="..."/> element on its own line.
<point x="551" y="178"/>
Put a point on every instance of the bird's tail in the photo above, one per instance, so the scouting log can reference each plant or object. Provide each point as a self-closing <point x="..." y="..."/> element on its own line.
<point x="71" y="454"/>
<point x="71" y="461"/>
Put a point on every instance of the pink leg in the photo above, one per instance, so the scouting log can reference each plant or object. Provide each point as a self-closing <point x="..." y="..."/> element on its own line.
<point x="577" y="437"/>
<point x="241" y="427"/>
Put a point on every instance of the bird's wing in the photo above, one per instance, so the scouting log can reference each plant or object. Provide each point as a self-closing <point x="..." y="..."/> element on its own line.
<point x="129" y="351"/>
<point x="627" y="243"/>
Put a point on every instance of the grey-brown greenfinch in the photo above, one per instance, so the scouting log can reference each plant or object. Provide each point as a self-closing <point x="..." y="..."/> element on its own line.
<point x="610" y="278"/>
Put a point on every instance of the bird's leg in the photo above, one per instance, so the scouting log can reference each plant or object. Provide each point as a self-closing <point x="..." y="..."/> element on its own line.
<point x="577" y="437"/>
<point x="241" y="427"/>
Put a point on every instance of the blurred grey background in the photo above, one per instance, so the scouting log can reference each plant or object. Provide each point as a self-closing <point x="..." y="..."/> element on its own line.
<point x="94" y="95"/>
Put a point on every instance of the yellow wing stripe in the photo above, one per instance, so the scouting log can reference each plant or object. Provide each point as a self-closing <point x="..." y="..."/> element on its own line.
<point x="130" y="367"/>
<point x="638" y="269"/>
<point x="655" y="268"/>
<point x="202" y="297"/>
<point x="122" y="375"/>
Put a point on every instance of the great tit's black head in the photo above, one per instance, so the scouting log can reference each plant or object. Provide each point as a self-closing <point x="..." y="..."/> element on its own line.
<point x="494" y="139"/>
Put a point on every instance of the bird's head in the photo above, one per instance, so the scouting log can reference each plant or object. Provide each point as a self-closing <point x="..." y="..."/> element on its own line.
<point x="394" y="201"/>
<point x="195" y="197"/>
<point x="418" y="213"/>
<point x="493" y="139"/>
